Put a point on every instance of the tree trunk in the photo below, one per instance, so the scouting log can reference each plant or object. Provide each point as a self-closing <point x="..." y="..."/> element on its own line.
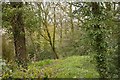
<point x="54" y="49"/>
<point x="100" y="57"/>
<point x="51" y="41"/>
<point x="71" y="19"/>
<point x="118" y="50"/>
<point x="19" y="34"/>
<point x="61" y="32"/>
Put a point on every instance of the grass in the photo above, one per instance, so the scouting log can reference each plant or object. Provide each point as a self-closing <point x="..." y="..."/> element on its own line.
<point x="74" y="67"/>
<point x="71" y="67"/>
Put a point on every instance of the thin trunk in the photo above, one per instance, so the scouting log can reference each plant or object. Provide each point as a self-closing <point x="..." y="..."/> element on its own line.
<point x="65" y="27"/>
<point x="54" y="50"/>
<point x="54" y="31"/>
<point x="71" y="18"/>
<point x="60" y="30"/>
<point x="50" y="39"/>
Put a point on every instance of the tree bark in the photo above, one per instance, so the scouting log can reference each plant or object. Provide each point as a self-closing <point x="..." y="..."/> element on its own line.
<point x="100" y="57"/>
<point x="51" y="41"/>
<point x="19" y="34"/>
<point x="71" y="19"/>
<point x="118" y="50"/>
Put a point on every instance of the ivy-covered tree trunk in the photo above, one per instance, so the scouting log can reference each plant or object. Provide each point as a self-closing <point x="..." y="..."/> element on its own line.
<point x="118" y="51"/>
<point x="19" y="34"/>
<point x="98" y="42"/>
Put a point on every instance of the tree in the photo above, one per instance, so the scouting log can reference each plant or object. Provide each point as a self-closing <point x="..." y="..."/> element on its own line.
<point x="98" y="37"/>
<point x="118" y="40"/>
<point x="54" y="50"/>
<point x="50" y="38"/>
<point x="71" y="18"/>
<point x="17" y="24"/>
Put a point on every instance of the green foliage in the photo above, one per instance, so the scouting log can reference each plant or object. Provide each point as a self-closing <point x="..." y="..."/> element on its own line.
<point x="100" y="38"/>
<point x="41" y="63"/>
<point x="7" y="48"/>
<point x="33" y="71"/>
<point x="80" y="68"/>
<point x="84" y="67"/>
<point x="75" y="45"/>
<point x="80" y="42"/>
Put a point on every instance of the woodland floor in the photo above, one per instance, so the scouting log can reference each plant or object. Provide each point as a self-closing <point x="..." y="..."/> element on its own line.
<point x="70" y="67"/>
